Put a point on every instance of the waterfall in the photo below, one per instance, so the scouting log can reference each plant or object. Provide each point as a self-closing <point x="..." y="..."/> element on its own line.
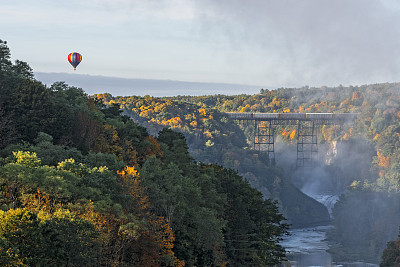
<point x="331" y="154"/>
<point x="327" y="200"/>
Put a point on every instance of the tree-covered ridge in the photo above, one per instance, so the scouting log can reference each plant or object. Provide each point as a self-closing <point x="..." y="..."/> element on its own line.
<point x="81" y="185"/>
<point x="205" y="124"/>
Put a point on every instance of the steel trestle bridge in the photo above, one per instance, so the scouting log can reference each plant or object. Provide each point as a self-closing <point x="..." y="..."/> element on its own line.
<point x="307" y="123"/>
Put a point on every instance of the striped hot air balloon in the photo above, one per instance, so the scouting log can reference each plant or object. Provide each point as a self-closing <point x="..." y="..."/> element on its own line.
<point x="74" y="58"/>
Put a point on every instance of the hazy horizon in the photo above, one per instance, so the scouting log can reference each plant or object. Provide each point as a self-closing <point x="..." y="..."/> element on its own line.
<point x="117" y="86"/>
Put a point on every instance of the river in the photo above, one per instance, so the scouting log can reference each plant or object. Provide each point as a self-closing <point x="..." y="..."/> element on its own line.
<point x="307" y="247"/>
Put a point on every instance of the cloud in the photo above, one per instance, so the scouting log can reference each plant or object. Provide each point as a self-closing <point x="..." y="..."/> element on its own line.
<point x="131" y="10"/>
<point x="313" y="40"/>
<point x="98" y="13"/>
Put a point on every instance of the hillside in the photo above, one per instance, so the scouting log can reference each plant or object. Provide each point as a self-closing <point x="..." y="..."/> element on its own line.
<point x="83" y="185"/>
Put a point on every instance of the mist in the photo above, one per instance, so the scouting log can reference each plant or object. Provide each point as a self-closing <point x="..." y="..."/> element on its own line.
<point x="334" y="167"/>
<point x="141" y="87"/>
<point x="311" y="42"/>
<point x="330" y="181"/>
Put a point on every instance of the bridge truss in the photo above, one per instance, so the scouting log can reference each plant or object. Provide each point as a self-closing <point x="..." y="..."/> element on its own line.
<point x="307" y="137"/>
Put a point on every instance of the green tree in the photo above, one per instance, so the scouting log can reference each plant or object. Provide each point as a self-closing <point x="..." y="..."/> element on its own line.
<point x="179" y="198"/>
<point x="254" y="225"/>
<point x="58" y="240"/>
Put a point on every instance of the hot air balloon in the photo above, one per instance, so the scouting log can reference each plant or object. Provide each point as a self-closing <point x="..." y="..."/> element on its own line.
<point x="74" y="58"/>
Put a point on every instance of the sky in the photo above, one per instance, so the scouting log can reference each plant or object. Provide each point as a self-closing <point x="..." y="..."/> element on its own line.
<point x="268" y="43"/>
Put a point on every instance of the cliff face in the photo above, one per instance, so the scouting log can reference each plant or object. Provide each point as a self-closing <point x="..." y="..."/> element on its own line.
<point x="302" y="210"/>
<point x="299" y="209"/>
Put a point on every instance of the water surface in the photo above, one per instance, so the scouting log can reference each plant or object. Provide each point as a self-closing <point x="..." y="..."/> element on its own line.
<point x="307" y="247"/>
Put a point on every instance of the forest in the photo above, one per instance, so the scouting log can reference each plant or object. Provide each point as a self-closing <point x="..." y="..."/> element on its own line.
<point x="82" y="184"/>
<point x="367" y="215"/>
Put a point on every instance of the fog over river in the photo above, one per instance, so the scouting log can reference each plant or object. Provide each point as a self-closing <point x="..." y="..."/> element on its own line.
<point x="307" y="247"/>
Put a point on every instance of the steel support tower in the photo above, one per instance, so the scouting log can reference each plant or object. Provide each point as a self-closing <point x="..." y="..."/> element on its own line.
<point x="264" y="138"/>
<point x="307" y="143"/>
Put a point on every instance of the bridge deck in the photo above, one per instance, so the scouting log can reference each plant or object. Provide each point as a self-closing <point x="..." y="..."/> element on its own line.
<point x="292" y="116"/>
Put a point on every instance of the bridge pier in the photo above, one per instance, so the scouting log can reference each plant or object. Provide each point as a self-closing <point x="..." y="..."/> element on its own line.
<point x="264" y="138"/>
<point x="307" y="143"/>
